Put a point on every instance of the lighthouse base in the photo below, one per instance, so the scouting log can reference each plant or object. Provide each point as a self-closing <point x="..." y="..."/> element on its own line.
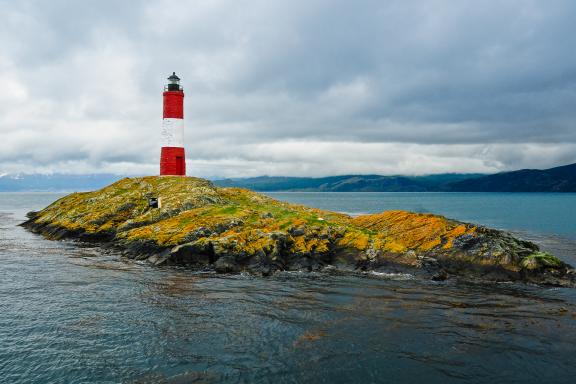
<point x="172" y="161"/>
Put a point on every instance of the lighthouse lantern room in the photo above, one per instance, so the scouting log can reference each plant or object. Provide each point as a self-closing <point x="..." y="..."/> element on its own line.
<point x="172" y="156"/>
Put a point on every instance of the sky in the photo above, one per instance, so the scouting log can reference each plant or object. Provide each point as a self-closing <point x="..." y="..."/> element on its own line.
<point x="294" y="88"/>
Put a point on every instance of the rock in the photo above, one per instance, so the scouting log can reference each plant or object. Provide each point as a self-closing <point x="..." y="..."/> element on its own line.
<point x="300" y="231"/>
<point x="542" y="261"/>
<point x="440" y="276"/>
<point x="226" y="265"/>
<point x="223" y="227"/>
<point x="141" y="249"/>
<point x="198" y="253"/>
<point x="32" y="214"/>
<point x="261" y="264"/>
<point x="161" y="258"/>
<point x="197" y="234"/>
<point x="231" y="230"/>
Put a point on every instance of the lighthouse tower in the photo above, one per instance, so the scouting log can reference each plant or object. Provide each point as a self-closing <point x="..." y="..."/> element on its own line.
<point x="172" y="157"/>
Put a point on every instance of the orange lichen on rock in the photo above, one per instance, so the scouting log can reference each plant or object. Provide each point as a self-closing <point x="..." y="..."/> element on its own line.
<point x="244" y="243"/>
<point x="458" y="231"/>
<point x="416" y="231"/>
<point x="309" y="245"/>
<point x="355" y="239"/>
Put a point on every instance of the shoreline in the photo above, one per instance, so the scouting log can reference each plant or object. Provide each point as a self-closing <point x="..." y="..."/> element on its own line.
<point x="232" y="230"/>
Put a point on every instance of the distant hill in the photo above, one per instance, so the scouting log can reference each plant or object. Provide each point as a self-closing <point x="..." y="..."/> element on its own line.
<point x="55" y="182"/>
<point x="559" y="179"/>
<point x="349" y="183"/>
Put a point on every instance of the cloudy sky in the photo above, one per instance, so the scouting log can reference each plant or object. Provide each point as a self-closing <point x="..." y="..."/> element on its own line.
<point x="297" y="87"/>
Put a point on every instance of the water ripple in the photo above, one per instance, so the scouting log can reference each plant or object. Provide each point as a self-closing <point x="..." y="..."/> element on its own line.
<point x="79" y="314"/>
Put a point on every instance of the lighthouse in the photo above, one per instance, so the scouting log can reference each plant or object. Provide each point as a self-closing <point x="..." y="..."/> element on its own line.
<point x="172" y="157"/>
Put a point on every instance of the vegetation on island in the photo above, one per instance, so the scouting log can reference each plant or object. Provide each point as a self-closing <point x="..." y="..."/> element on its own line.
<point x="233" y="229"/>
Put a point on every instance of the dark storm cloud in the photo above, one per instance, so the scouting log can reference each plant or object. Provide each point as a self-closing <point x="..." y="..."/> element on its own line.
<point x="288" y="86"/>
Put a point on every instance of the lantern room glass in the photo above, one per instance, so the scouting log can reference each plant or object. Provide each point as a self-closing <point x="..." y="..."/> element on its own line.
<point x="173" y="83"/>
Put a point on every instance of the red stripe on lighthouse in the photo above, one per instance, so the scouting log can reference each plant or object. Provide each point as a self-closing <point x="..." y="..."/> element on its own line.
<point x="172" y="161"/>
<point x="174" y="104"/>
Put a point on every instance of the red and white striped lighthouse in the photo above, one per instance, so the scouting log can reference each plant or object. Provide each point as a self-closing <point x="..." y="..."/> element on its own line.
<point x="172" y="157"/>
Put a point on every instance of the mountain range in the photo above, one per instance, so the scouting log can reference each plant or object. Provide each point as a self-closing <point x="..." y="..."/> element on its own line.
<point x="349" y="183"/>
<point x="558" y="179"/>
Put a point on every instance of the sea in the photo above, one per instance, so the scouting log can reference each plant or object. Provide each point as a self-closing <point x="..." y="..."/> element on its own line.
<point x="76" y="313"/>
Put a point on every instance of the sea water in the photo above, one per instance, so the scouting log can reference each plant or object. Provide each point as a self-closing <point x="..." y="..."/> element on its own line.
<point x="75" y="313"/>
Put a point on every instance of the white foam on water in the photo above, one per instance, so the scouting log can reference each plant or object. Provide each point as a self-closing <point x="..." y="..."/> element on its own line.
<point x="392" y="276"/>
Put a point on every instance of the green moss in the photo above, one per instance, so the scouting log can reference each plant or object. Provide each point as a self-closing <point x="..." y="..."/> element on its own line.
<point x="228" y="210"/>
<point x="541" y="260"/>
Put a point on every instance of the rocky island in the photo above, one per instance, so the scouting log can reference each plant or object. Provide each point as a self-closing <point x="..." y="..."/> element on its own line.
<point x="199" y="225"/>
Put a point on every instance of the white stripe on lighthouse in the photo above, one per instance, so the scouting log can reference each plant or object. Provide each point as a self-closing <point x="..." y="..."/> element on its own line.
<point x="172" y="134"/>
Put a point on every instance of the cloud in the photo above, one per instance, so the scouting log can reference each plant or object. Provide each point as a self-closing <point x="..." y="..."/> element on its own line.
<point x="289" y="87"/>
